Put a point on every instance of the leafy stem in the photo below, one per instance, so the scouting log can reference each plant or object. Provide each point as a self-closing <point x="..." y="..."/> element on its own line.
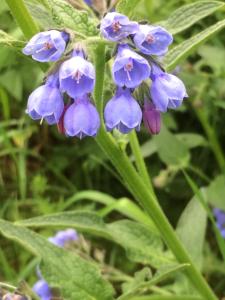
<point x="140" y="189"/>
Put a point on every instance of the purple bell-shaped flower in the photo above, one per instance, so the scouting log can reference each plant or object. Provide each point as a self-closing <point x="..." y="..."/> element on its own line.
<point x="116" y="27"/>
<point x="77" y="76"/>
<point x="167" y="90"/>
<point x="42" y="289"/>
<point x="152" y="40"/>
<point x="123" y="112"/>
<point x="81" y="118"/>
<point x="46" y="102"/>
<point x="63" y="237"/>
<point x="129" y="68"/>
<point x="47" y="46"/>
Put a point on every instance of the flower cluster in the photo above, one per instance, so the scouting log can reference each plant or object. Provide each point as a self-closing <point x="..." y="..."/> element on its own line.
<point x="74" y="80"/>
<point x="220" y="220"/>
<point x="134" y="64"/>
<point x="61" y="239"/>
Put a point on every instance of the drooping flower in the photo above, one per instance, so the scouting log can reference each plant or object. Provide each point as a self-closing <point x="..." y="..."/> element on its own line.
<point x="46" y="102"/>
<point x="42" y="289"/>
<point x="167" y="90"/>
<point x="81" y="118"/>
<point x="123" y="112"/>
<point x="151" y="118"/>
<point x="116" y="27"/>
<point x="77" y="76"/>
<point x="47" y="46"/>
<point x="129" y="68"/>
<point x="220" y="220"/>
<point x="63" y="237"/>
<point x="152" y="40"/>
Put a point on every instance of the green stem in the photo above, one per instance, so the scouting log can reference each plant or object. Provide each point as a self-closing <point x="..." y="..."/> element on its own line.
<point x="23" y="18"/>
<point x="139" y="190"/>
<point x="141" y="166"/>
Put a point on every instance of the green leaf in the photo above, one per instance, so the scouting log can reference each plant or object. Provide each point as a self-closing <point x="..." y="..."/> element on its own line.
<point x="127" y="7"/>
<point x="65" y="15"/>
<point x="191" y="229"/>
<point x="76" y="278"/>
<point x="164" y="273"/>
<point x="167" y="297"/>
<point x="8" y="41"/>
<point x="171" y="151"/>
<point x="141" y="244"/>
<point x="192" y="140"/>
<point x="189" y="14"/>
<point x="176" y="54"/>
<point x="40" y="13"/>
<point x="216" y="192"/>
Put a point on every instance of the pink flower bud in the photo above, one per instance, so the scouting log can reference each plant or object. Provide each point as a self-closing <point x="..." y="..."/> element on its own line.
<point x="152" y="118"/>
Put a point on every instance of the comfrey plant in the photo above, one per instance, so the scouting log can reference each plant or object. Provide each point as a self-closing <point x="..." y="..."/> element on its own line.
<point x="136" y="50"/>
<point x="105" y="75"/>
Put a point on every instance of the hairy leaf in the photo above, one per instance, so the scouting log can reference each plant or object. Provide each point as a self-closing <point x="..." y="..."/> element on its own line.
<point x="176" y="54"/>
<point x="189" y="14"/>
<point x="63" y="269"/>
<point x="127" y="7"/>
<point x="141" y="244"/>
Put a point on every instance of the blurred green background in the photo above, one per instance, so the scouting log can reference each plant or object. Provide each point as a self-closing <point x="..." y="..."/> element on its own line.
<point x="42" y="171"/>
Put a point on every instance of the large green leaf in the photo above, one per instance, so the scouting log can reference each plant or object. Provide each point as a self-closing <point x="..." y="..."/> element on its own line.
<point x="76" y="278"/>
<point x="171" y="150"/>
<point x="176" y="54"/>
<point x="127" y="7"/>
<point x="65" y="15"/>
<point x="141" y="244"/>
<point x="191" y="229"/>
<point x="189" y="14"/>
<point x="59" y="13"/>
<point x="216" y="191"/>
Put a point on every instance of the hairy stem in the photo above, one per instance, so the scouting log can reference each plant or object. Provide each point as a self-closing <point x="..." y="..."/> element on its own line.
<point x="141" y="166"/>
<point x="140" y="191"/>
<point x="23" y="18"/>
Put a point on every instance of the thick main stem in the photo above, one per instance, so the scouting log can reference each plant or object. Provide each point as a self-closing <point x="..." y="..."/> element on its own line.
<point x="140" y="191"/>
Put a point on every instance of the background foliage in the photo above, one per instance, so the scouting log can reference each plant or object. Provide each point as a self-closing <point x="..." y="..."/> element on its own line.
<point x="43" y="172"/>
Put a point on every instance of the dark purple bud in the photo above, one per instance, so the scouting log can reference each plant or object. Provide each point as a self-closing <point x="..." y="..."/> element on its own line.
<point x="123" y="112"/>
<point x="129" y="68"/>
<point x="81" y="119"/>
<point x="63" y="237"/>
<point x="46" y="102"/>
<point x="77" y="76"/>
<point x="42" y="289"/>
<point x="116" y="27"/>
<point x="167" y="90"/>
<point x="153" y="40"/>
<point x="151" y="118"/>
<point x="47" y="46"/>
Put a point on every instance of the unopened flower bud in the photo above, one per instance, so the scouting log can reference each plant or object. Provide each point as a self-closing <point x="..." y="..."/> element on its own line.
<point x="152" y="118"/>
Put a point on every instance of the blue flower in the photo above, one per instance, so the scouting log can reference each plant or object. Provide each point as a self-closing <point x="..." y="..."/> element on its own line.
<point x="167" y="90"/>
<point x="46" y="102"/>
<point x="151" y="118"/>
<point x="77" y="76"/>
<point x="42" y="289"/>
<point x="152" y="40"/>
<point x="123" y="112"/>
<point x="47" y="46"/>
<point x="63" y="237"/>
<point x="81" y="119"/>
<point x="88" y="2"/>
<point x="129" y="68"/>
<point x="115" y="27"/>
<point x="220" y="220"/>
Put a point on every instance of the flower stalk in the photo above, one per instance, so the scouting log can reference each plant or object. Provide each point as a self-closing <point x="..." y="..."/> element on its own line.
<point x="141" y="191"/>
